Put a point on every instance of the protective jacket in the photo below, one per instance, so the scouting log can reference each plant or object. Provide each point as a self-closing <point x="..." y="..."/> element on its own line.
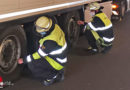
<point x="52" y="48"/>
<point x="101" y="28"/>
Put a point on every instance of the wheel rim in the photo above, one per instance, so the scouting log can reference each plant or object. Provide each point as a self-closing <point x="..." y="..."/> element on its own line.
<point x="72" y="31"/>
<point x="10" y="51"/>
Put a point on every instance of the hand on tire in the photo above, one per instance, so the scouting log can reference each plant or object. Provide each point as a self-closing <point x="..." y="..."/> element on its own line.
<point x="80" y="22"/>
<point x="20" y="61"/>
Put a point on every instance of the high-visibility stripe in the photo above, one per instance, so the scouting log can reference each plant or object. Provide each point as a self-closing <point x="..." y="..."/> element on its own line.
<point x="104" y="19"/>
<point x="108" y="39"/>
<point x="99" y="28"/>
<point x="61" y="60"/>
<point x="47" y="25"/>
<point x="29" y="58"/>
<point x="93" y="8"/>
<point x="53" y="63"/>
<point x="115" y="12"/>
<point x="95" y="34"/>
<point x="40" y="51"/>
<point x="36" y="56"/>
<point x="1" y="84"/>
<point x="84" y="28"/>
<point x="2" y="16"/>
<point x="59" y="51"/>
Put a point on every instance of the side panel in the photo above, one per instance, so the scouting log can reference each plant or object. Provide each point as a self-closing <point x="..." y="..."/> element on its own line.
<point x="28" y="8"/>
<point x="69" y="3"/>
<point x="89" y="1"/>
<point x="8" y="5"/>
<point x="24" y="8"/>
<point x="30" y="4"/>
<point x="64" y="1"/>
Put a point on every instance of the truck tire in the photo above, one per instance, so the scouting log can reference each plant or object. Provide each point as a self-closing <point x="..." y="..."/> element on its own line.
<point x="12" y="47"/>
<point x="32" y="38"/>
<point x="71" y="28"/>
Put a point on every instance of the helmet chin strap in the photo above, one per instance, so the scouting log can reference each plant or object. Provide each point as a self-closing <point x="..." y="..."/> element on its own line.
<point x="92" y="13"/>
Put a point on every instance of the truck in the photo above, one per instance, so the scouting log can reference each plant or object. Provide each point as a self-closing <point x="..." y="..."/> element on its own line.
<point x="17" y="30"/>
<point x="119" y="8"/>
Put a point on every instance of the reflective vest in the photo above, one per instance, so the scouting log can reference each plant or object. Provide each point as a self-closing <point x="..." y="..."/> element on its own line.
<point x="101" y="28"/>
<point x="56" y="58"/>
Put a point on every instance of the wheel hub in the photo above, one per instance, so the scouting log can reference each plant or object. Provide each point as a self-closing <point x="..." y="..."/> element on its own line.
<point x="72" y="30"/>
<point x="9" y="53"/>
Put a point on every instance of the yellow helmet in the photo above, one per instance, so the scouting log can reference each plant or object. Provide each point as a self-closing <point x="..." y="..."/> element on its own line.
<point x="94" y="6"/>
<point x="43" y="24"/>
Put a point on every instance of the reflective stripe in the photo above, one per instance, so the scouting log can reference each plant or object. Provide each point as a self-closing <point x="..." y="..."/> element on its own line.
<point x="62" y="60"/>
<point x="95" y="50"/>
<point x="99" y="28"/>
<point x="29" y="58"/>
<point x="115" y="12"/>
<point x="53" y="63"/>
<point x="108" y="39"/>
<point x="40" y="51"/>
<point x="2" y="16"/>
<point x="1" y="84"/>
<point x="47" y="25"/>
<point x="104" y="19"/>
<point x="59" y="51"/>
<point x="84" y="28"/>
<point x="95" y="34"/>
<point x="92" y="8"/>
<point x="36" y="56"/>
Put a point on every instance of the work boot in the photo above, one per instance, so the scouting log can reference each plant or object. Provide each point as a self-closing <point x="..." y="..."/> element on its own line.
<point x="57" y="78"/>
<point x="91" y="50"/>
<point x="106" y="49"/>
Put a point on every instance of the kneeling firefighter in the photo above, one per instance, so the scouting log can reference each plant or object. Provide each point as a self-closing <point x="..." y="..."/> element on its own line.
<point x="48" y="62"/>
<point x="99" y="31"/>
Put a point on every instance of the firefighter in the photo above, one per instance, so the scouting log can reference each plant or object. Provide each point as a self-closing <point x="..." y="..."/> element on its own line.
<point x="48" y="62"/>
<point x="99" y="31"/>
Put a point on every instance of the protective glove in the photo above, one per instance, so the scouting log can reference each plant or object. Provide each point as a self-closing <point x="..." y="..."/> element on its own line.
<point x="79" y="22"/>
<point x="20" y="61"/>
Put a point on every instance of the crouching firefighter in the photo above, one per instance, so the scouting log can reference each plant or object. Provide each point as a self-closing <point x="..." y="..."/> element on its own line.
<point x="99" y="31"/>
<point x="48" y="62"/>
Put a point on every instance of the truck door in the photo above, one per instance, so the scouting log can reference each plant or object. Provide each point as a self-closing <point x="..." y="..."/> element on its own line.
<point x="8" y="6"/>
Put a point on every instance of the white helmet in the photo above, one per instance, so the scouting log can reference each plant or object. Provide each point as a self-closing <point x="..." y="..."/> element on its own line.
<point x="43" y="24"/>
<point x="94" y="6"/>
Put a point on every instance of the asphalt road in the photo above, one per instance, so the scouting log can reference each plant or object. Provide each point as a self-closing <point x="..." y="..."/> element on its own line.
<point x="109" y="71"/>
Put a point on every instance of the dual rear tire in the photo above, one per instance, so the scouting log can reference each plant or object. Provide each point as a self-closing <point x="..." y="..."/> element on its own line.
<point x="12" y="47"/>
<point x="68" y="22"/>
